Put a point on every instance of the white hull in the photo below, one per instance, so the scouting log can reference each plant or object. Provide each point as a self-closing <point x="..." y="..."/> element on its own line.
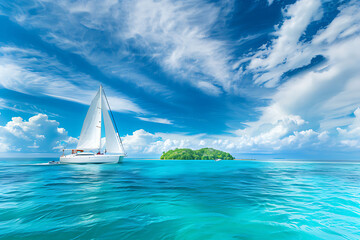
<point x="93" y="158"/>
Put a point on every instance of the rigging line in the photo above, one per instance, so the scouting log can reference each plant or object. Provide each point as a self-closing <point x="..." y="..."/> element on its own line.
<point x="112" y="116"/>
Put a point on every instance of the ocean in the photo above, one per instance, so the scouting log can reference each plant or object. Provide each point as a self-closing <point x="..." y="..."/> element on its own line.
<point x="149" y="199"/>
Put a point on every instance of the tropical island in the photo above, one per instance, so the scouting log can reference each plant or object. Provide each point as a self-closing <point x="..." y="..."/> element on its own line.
<point x="201" y="154"/>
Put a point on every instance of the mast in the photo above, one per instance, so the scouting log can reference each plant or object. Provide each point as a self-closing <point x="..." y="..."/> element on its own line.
<point x="113" y="119"/>
<point x="100" y="117"/>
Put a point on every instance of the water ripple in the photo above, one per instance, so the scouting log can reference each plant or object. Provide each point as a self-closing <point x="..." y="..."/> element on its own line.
<point x="180" y="200"/>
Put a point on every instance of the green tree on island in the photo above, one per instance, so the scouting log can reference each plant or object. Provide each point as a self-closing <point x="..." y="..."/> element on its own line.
<point x="201" y="154"/>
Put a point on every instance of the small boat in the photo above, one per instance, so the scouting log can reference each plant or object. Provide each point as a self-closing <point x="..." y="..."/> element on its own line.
<point x="88" y="149"/>
<point x="217" y="160"/>
<point x="53" y="162"/>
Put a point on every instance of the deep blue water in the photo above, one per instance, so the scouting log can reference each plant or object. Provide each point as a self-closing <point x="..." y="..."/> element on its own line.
<point x="143" y="199"/>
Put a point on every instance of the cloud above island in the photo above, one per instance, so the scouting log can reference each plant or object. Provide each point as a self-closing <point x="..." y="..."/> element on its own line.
<point x="273" y="139"/>
<point x="41" y="134"/>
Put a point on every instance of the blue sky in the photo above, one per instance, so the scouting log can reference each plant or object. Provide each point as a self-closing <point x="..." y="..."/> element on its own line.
<point x="258" y="79"/>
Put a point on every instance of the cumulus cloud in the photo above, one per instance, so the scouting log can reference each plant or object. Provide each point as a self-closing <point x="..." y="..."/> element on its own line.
<point x="38" y="134"/>
<point x="275" y="140"/>
<point x="143" y="142"/>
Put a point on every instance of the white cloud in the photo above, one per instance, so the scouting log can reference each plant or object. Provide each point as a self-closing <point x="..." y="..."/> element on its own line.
<point x="320" y="95"/>
<point x="99" y="21"/>
<point x="285" y="51"/>
<point x="68" y="143"/>
<point x="324" y="95"/>
<point x="347" y="23"/>
<point x="208" y="88"/>
<point x="270" y="2"/>
<point x="350" y="136"/>
<point x="35" y="73"/>
<point x="177" y="34"/>
<point x="140" y="142"/>
<point x="24" y="107"/>
<point x="38" y="134"/>
<point x="156" y="120"/>
<point x="273" y="141"/>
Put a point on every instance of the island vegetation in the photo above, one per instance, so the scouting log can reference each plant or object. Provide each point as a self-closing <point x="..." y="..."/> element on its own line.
<point x="201" y="154"/>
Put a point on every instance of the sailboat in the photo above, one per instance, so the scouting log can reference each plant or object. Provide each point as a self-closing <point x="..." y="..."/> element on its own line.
<point x="88" y="149"/>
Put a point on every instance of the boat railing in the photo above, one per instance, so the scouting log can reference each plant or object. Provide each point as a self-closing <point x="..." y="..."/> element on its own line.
<point x="73" y="151"/>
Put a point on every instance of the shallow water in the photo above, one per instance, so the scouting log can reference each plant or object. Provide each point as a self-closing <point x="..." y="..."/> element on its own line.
<point x="143" y="199"/>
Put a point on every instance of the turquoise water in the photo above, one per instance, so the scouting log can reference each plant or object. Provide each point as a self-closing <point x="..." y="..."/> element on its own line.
<point x="143" y="199"/>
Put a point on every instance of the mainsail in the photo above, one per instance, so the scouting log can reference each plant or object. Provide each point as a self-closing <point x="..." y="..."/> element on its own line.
<point x="113" y="144"/>
<point x="91" y="130"/>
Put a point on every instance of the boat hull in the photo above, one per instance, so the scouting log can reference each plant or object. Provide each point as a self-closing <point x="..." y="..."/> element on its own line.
<point x="88" y="159"/>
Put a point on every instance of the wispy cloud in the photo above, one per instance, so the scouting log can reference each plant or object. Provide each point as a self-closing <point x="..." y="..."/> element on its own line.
<point x="21" y="107"/>
<point x="102" y="22"/>
<point x="35" y="73"/>
<point x="285" y="52"/>
<point x="156" y="120"/>
<point x="324" y="95"/>
<point x="177" y="34"/>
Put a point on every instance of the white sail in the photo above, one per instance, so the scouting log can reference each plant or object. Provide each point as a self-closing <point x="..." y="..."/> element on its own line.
<point x="113" y="144"/>
<point x="91" y="130"/>
<point x="90" y="137"/>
